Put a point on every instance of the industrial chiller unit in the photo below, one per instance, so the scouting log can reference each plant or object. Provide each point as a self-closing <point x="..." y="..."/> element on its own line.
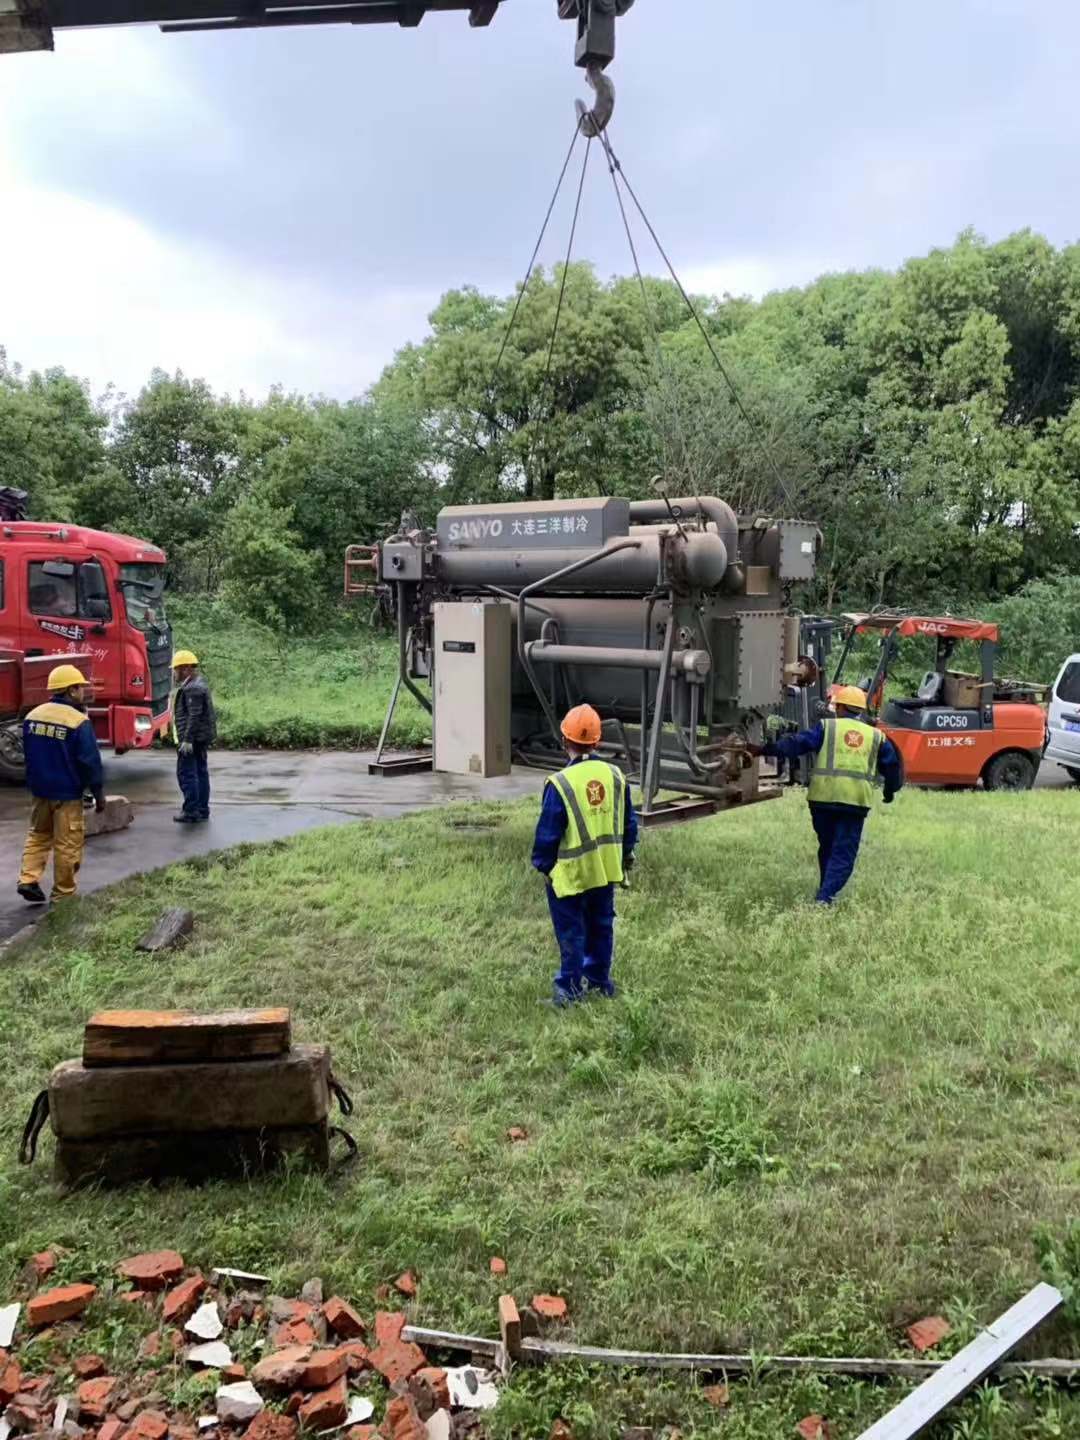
<point x="672" y="617"/>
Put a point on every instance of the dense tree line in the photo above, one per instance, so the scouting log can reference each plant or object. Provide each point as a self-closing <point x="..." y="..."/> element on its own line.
<point x="927" y="419"/>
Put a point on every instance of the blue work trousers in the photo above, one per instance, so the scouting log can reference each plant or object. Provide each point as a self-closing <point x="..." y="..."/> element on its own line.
<point x="585" y="929"/>
<point x="193" y="777"/>
<point x="839" y="833"/>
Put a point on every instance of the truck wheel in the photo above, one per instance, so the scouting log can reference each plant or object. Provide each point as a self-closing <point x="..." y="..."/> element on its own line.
<point x="12" y="760"/>
<point x="1011" y="770"/>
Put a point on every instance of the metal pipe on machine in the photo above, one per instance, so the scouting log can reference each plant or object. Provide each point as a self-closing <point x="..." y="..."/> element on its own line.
<point x="686" y="662"/>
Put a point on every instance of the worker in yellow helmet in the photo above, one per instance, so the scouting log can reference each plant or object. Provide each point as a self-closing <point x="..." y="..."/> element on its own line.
<point x="583" y="847"/>
<point x="194" y="731"/>
<point x="62" y="763"/>
<point x="850" y="756"/>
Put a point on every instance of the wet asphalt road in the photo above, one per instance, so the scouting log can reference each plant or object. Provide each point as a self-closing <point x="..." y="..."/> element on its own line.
<point x="256" y="795"/>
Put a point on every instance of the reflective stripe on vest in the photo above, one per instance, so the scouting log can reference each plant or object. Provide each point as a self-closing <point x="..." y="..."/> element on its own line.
<point x="591" y="852"/>
<point x="845" y="770"/>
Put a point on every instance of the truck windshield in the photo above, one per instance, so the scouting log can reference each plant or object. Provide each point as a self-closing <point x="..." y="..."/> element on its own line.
<point x="143" y="587"/>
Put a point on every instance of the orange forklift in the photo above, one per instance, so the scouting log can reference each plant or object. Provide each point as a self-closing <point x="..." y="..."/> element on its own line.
<point x="957" y="729"/>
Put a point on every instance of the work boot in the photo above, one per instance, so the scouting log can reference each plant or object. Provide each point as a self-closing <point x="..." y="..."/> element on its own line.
<point x="562" y="999"/>
<point x="183" y="819"/>
<point x="33" y="893"/>
<point x="607" y="991"/>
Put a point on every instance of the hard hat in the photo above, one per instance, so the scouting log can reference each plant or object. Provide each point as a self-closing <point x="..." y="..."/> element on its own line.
<point x="849" y="695"/>
<point x="184" y="657"/>
<point x="62" y="677"/>
<point x="582" y="726"/>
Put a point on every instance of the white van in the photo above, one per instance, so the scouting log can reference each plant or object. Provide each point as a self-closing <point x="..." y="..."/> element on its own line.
<point x="1064" y="719"/>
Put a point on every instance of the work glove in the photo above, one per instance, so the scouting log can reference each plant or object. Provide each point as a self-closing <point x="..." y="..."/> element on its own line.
<point x="187" y="748"/>
<point x="99" y="801"/>
<point x="751" y="749"/>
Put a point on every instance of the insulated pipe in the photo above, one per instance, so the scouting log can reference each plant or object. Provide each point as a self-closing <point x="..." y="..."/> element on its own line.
<point x="684" y="662"/>
<point x="628" y="565"/>
<point x="709" y="508"/>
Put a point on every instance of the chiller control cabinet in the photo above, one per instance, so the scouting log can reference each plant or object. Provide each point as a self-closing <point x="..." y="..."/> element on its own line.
<point x="472" y="687"/>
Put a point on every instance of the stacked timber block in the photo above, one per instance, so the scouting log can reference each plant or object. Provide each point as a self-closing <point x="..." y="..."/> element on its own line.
<point x="168" y="1093"/>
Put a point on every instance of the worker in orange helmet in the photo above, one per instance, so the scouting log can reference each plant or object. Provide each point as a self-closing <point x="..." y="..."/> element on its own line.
<point x="850" y="756"/>
<point x="584" y="846"/>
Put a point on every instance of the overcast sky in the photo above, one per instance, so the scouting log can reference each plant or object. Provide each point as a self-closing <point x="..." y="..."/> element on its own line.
<point x="287" y="206"/>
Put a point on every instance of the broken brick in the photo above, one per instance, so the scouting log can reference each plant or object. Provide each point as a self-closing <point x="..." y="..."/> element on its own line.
<point x="323" y="1368"/>
<point x="718" y="1395"/>
<point x="497" y="1265"/>
<point x="295" y="1400"/>
<point x="95" y="1397"/>
<point x="10" y="1380"/>
<point x="150" y="1347"/>
<point x="925" y="1334"/>
<point x="156" y="1270"/>
<point x="397" y="1360"/>
<point x="150" y="1425"/>
<point x="268" y="1426"/>
<point x="814" y="1427"/>
<point x="403" y="1420"/>
<point x="435" y="1376"/>
<point x="42" y="1264"/>
<point x="284" y="1369"/>
<point x="182" y="1432"/>
<point x="88" y="1367"/>
<point x="294" y="1332"/>
<point x="342" y="1319"/>
<point x="230" y="1374"/>
<point x="357" y="1356"/>
<point x="62" y="1304"/>
<point x="326" y="1409"/>
<point x="111" y="1430"/>
<point x="182" y="1301"/>
<point x="359" y="1432"/>
<point x="517" y="1133"/>
<point x="382" y="1293"/>
<point x="388" y="1326"/>
<point x="24" y="1414"/>
<point x="405" y="1284"/>
<point x="549" y="1307"/>
<point x="136" y="1297"/>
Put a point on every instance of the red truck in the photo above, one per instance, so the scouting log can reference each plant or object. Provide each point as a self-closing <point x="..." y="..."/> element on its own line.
<point x="67" y="592"/>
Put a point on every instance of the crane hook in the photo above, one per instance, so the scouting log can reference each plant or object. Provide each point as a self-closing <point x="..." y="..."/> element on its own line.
<point x="595" y="121"/>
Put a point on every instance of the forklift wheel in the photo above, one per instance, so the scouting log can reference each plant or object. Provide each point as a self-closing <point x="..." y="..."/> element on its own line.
<point x="1011" y="770"/>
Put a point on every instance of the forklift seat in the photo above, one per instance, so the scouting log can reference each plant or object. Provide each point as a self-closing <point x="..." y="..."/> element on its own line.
<point x="929" y="692"/>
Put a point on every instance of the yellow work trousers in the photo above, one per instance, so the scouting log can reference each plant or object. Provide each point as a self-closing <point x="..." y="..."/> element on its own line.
<point x="55" y="825"/>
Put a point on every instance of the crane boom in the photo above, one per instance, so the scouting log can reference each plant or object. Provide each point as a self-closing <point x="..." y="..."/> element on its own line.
<point x="30" y="24"/>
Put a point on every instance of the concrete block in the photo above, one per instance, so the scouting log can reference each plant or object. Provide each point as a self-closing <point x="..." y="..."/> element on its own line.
<point x="117" y="815"/>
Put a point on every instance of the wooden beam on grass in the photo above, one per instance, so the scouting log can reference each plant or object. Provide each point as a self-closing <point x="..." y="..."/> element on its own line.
<point x="964" y="1371"/>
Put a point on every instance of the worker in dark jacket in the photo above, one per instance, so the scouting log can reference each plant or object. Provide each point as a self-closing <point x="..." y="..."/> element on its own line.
<point x="850" y="755"/>
<point x="62" y="763"/>
<point x="194" y="730"/>
<point x="583" y="847"/>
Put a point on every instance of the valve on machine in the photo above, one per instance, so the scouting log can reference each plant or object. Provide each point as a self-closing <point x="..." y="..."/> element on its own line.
<point x="595" y="51"/>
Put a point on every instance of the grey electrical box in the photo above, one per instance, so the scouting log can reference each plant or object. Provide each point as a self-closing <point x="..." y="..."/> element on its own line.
<point x="472" y="687"/>
<point x="760" y="659"/>
<point x="799" y="543"/>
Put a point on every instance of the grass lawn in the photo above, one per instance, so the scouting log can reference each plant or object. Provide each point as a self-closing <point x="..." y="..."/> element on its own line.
<point x="794" y="1131"/>
<point x="315" y="691"/>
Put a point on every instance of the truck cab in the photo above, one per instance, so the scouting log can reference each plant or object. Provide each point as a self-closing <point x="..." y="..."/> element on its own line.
<point x="1063" y="719"/>
<point x="65" y="590"/>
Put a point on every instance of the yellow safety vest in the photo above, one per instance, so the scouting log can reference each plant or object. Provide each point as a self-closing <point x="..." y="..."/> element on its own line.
<point x="845" y="770"/>
<point x="591" y="851"/>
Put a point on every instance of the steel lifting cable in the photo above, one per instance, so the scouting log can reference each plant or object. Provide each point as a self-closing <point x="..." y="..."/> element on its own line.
<point x="618" y="174"/>
<point x="525" y="283"/>
<point x="562" y="289"/>
<point x="650" y="315"/>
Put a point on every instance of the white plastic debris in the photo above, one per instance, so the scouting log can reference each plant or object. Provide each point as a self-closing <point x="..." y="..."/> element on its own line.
<point x="206" y="1322"/>
<point x="240" y="1402"/>
<point x="9" y="1318"/>
<point x="241" y="1277"/>
<point x="60" y="1414"/>
<point x="438" y="1425"/>
<point x="214" y="1355"/>
<point x="472" y="1389"/>
<point x="360" y="1409"/>
<point x="5" y="1429"/>
<point x="207" y="1422"/>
